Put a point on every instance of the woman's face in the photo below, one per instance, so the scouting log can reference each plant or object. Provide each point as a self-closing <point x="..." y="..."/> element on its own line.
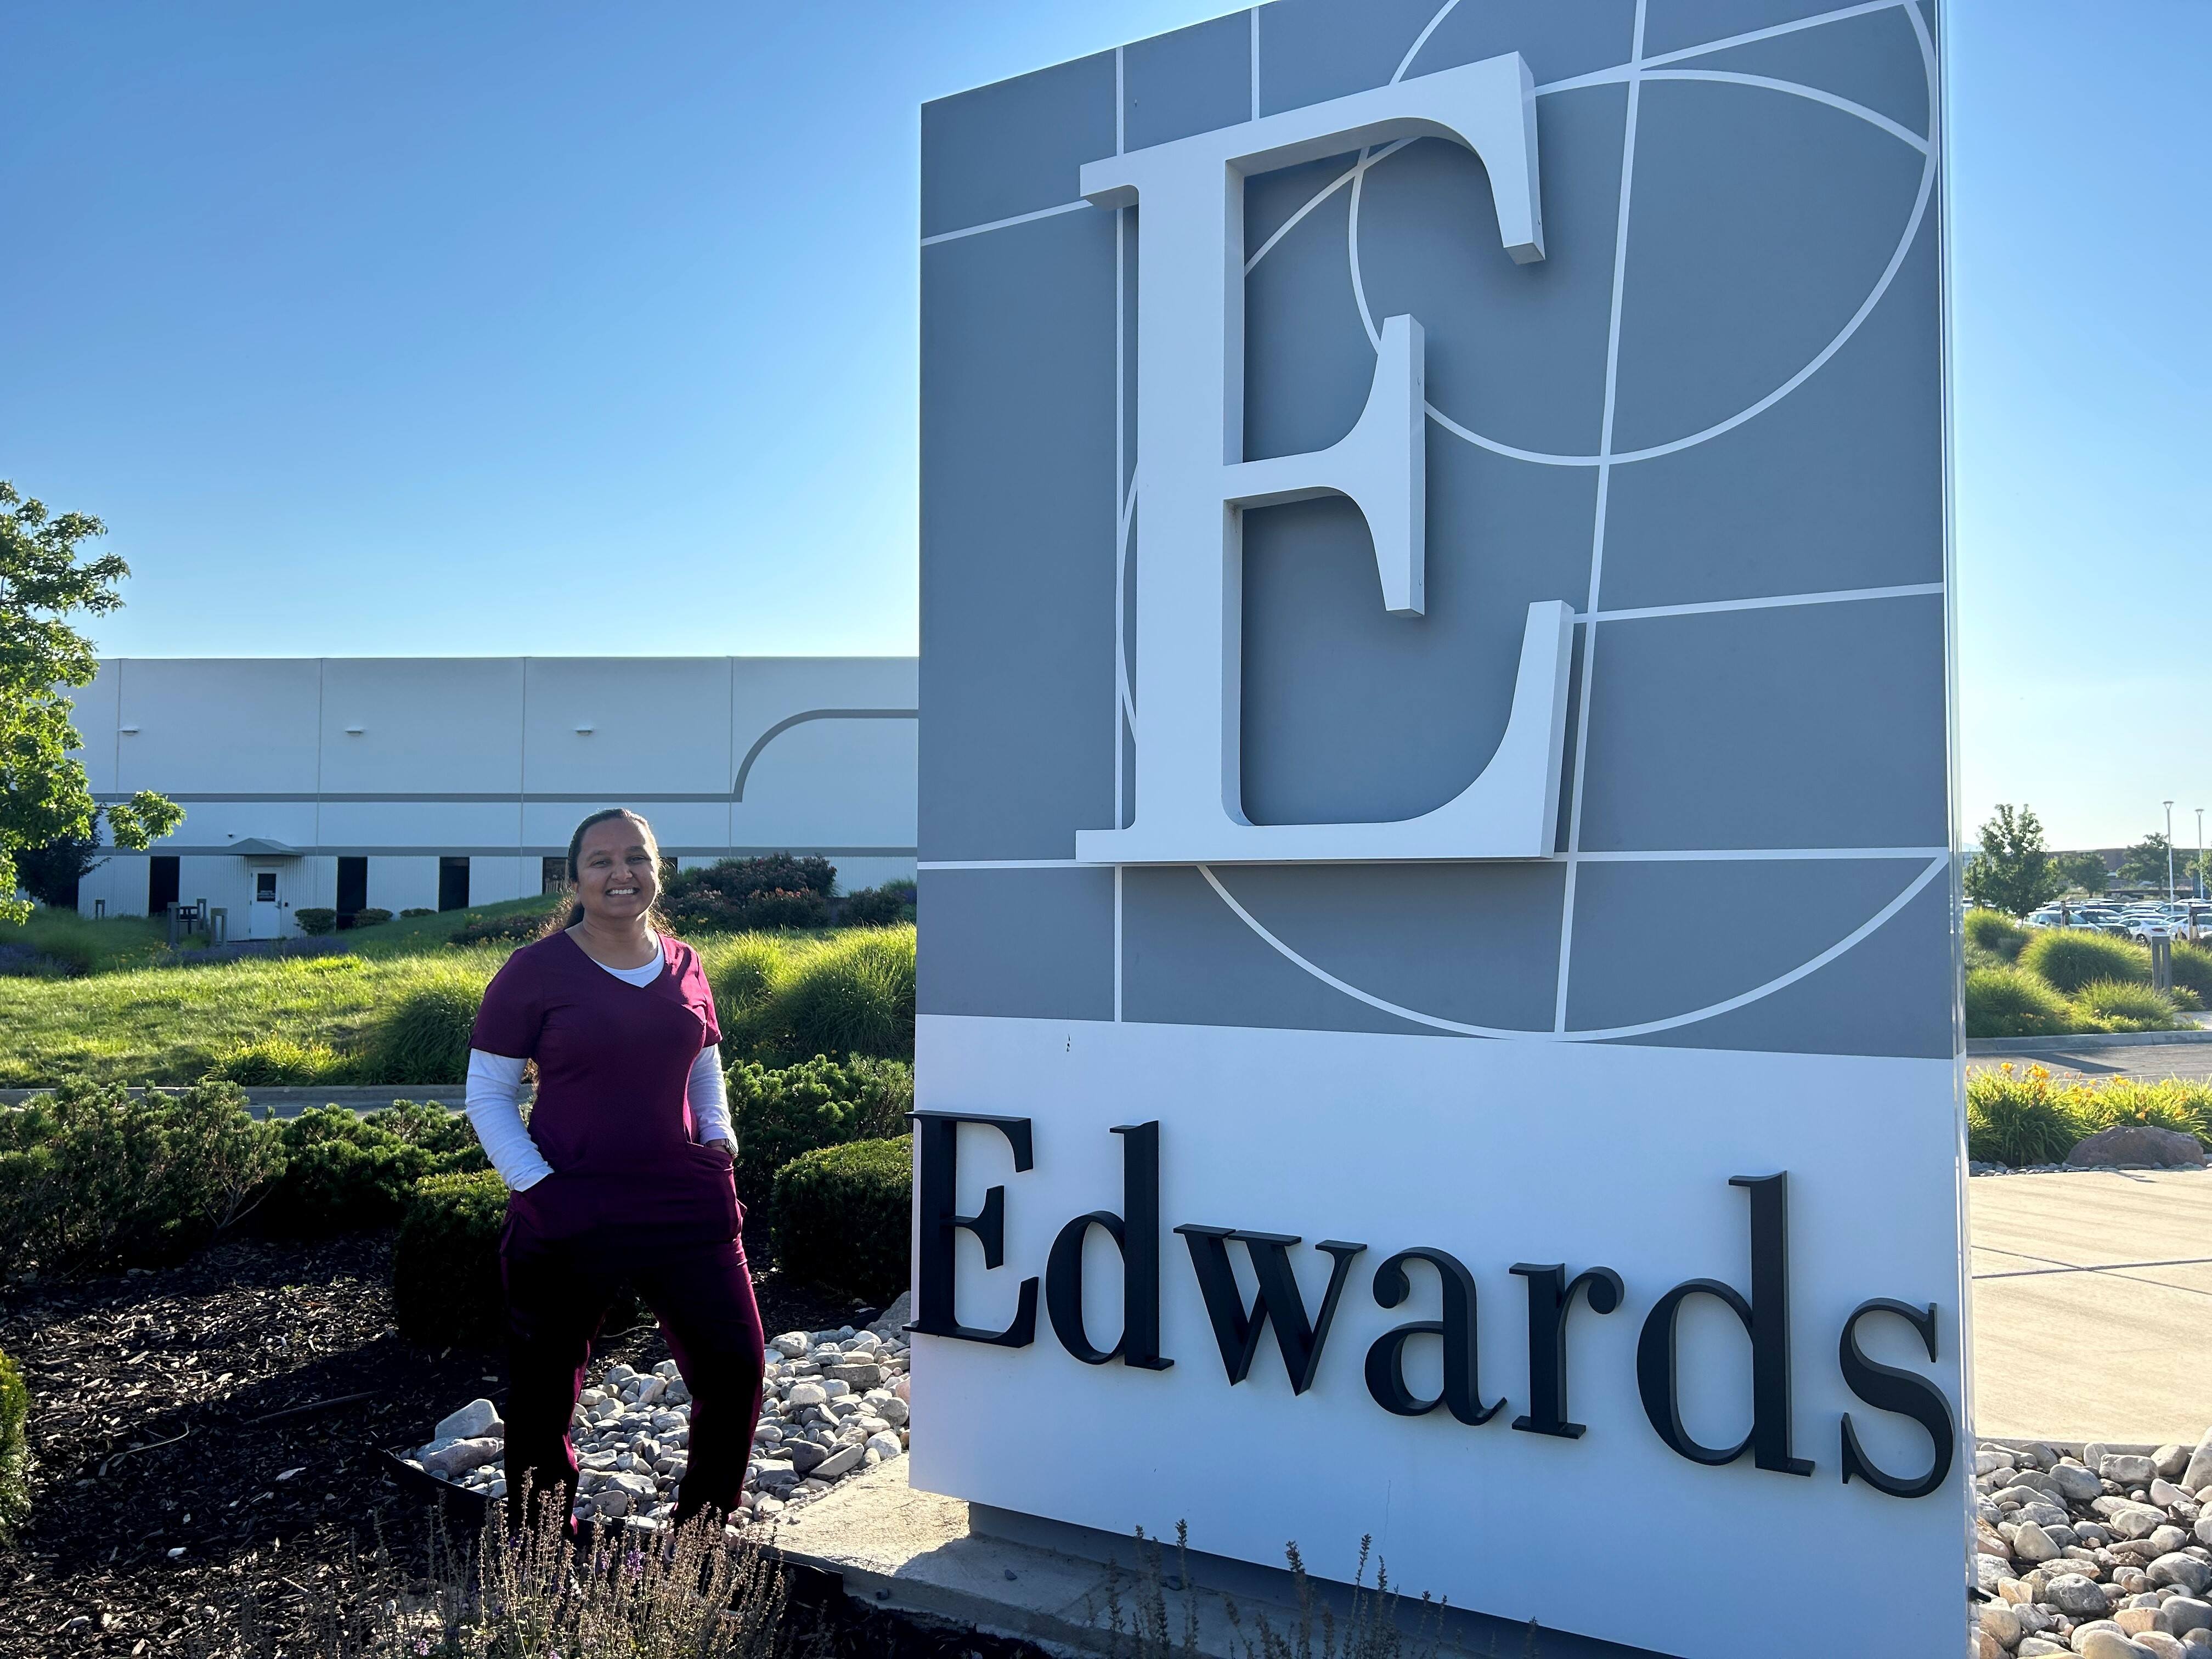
<point x="617" y="877"/>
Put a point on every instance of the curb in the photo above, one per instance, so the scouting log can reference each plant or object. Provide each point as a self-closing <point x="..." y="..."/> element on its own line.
<point x="1977" y="1047"/>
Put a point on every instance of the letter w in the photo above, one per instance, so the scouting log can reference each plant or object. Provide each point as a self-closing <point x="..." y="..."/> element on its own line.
<point x="1236" y="1329"/>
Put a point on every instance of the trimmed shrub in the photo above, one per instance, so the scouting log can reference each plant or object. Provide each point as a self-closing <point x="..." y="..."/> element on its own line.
<point x="418" y="910"/>
<point x="1997" y="933"/>
<point x="2068" y="958"/>
<point x="843" y="1215"/>
<point x="854" y="996"/>
<point x="279" y="1060"/>
<point x="445" y="1270"/>
<point x="344" y="1172"/>
<point x="878" y="907"/>
<point x="446" y="1288"/>
<point x="2005" y="1002"/>
<point x="516" y="928"/>
<point x="733" y="894"/>
<point x="425" y="1037"/>
<point x="15" y="1451"/>
<point x="2017" y="1118"/>
<point x="371" y="918"/>
<point x="90" y="1177"/>
<point x="777" y="1115"/>
<point x="2119" y="1005"/>
<point x="316" y="920"/>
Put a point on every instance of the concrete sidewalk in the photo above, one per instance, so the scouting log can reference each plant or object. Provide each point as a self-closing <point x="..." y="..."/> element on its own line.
<point x="2092" y="1305"/>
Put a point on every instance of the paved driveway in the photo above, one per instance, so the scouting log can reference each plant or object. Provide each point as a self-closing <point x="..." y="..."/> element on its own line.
<point x="2092" y="1305"/>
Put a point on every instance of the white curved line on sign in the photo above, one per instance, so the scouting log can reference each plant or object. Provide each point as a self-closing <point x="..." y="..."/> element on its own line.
<point x="1935" y="868"/>
<point x="1768" y="83"/>
<point x="1121" y="608"/>
<point x="1420" y="40"/>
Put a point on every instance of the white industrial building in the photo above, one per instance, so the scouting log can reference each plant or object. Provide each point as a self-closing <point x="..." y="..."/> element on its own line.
<point x="399" y="783"/>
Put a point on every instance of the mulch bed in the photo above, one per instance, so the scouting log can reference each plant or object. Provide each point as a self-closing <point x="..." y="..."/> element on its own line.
<point x="230" y="1409"/>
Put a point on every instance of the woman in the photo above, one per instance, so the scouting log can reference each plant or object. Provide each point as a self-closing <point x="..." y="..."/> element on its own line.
<point x="624" y="1172"/>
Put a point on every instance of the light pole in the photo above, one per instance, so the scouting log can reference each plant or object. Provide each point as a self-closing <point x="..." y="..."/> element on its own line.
<point x="2169" y="852"/>
<point x="2200" y="852"/>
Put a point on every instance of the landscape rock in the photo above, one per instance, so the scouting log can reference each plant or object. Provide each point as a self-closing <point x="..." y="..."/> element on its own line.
<point x="838" y="1462"/>
<point x="2171" y="1462"/>
<point x="2076" y="1483"/>
<point x="475" y="1421"/>
<point x="2110" y="1644"/>
<point x="2127" y="1469"/>
<point x="459" y="1455"/>
<point x="2031" y="1544"/>
<point x="2184" y="1613"/>
<point x="2199" y="1475"/>
<point x="2139" y="1145"/>
<point x="2183" y="1572"/>
<point x="2076" y="1596"/>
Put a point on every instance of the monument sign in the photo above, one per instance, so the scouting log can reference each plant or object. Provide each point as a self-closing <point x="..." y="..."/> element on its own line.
<point x="1438" y="1003"/>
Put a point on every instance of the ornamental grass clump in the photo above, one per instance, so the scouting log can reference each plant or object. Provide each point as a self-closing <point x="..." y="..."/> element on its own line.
<point x="2182" y="1104"/>
<point x="2119" y="1005"/>
<point x="2017" y="1118"/>
<point x="425" y="1037"/>
<point x="281" y="1061"/>
<point x="2069" y="958"/>
<point x="2013" y="1002"/>
<point x="1997" y="933"/>
<point x="854" y="995"/>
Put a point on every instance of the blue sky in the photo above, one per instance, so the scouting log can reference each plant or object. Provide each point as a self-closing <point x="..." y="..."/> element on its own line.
<point x="410" y="329"/>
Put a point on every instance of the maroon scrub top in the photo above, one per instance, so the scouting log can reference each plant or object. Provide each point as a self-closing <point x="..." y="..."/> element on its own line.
<point x="611" y="1116"/>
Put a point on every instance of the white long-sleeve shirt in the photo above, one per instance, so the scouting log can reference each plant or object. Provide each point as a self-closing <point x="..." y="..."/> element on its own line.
<point x="494" y="1101"/>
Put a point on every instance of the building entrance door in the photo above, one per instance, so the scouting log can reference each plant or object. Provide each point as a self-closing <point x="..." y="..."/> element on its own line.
<point x="265" y="917"/>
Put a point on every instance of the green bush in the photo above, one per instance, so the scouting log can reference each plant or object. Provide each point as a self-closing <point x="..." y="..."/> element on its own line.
<point x="734" y="895"/>
<point x="15" y="1451"/>
<point x="344" y="1172"/>
<point x="2119" y="1005"/>
<point x="370" y="917"/>
<point x="854" y="996"/>
<point x="446" y="1288"/>
<point x="878" y="907"/>
<point x="2017" y="1118"/>
<point x="1997" y="933"/>
<point x="280" y="1060"/>
<point x="90" y="1177"/>
<point x="424" y="1039"/>
<point x="779" y="1114"/>
<point x="409" y="914"/>
<point x="316" y="920"/>
<point x="445" y="1271"/>
<point x="2013" y="1002"/>
<point x="514" y="927"/>
<point x="2068" y="958"/>
<point x="843" y="1215"/>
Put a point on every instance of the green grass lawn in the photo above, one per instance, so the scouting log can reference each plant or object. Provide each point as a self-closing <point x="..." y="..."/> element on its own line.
<point x="167" y="1024"/>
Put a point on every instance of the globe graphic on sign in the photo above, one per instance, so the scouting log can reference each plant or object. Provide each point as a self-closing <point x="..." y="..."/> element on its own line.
<point x="1742" y="257"/>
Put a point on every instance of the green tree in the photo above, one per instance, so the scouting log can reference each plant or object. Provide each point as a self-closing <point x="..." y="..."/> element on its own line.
<point x="2084" y="869"/>
<point x="45" y="797"/>
<point x="2014" y="871"/>
<point x="2144" y="863"/>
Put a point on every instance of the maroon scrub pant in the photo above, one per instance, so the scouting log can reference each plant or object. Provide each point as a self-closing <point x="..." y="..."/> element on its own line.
<point x="559" y="1291"/>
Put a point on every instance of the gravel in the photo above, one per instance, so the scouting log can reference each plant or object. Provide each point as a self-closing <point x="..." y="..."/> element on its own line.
<point x="834" y="1402"/>
<point x="2109" y="1553"/>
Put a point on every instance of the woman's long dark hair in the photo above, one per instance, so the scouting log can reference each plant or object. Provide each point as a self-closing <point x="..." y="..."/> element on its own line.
<point x="564" y="918"/>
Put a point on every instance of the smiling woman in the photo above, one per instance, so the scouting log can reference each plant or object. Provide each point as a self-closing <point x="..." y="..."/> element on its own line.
<point x="625" y="1172"/>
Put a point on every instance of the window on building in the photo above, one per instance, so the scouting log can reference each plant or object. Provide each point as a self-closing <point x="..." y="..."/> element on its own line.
<point x="353" y="890"/>
<point x="452" y="883"/>
<point x="555" y="875"/>
<point x="161" y="884"/>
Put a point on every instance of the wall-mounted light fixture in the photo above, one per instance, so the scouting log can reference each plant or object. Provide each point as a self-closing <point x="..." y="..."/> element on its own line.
<point x="583" y="731"/>
<point x="354" y="731"/>
<point x="128" y="731"/>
